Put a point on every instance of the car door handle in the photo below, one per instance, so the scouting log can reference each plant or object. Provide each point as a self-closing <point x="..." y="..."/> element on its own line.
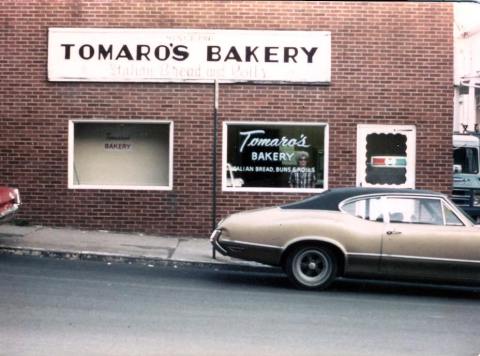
<point x="390" y="232"/>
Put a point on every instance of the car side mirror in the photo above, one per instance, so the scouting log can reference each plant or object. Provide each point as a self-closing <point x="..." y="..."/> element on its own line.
<point x="457" y="168"/>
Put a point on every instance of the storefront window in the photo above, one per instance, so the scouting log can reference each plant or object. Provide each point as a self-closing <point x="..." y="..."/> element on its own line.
<point x="274" y="157"/>
<point x="120" y="155"/>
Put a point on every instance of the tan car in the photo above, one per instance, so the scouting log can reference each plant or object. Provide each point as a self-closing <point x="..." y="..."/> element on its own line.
<point x="358" y="232"/>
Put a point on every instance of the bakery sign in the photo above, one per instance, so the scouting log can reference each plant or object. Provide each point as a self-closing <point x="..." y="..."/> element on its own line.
<point x="187" y="55"/>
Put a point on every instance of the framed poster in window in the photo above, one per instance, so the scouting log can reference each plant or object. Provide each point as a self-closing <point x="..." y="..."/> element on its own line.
<point x="269" y="157"/>
<point x="386" y="156"/>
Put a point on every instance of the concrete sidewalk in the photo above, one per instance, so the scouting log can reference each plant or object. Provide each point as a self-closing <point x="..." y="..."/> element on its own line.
<point x="116" y="247"/>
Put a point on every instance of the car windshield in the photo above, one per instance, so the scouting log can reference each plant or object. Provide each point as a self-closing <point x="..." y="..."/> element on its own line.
<point x="467" y="157"/>
<point x="466" y="215"/>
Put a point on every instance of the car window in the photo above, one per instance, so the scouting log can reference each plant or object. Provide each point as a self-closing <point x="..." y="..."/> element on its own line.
<point x="367" y="209"/>
<point x="450" y="217"/>
<point x="415" y="210"/>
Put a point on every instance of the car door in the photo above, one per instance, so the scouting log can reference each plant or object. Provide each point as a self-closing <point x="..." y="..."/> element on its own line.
<point x="362" y="235"/>
<point x="425" y="238"/>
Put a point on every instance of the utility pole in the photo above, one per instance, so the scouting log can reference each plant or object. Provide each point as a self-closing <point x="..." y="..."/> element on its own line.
<point x="214" y="163"/>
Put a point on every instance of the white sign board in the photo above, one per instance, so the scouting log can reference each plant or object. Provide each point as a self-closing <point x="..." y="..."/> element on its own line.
<point x="185" y="55"/>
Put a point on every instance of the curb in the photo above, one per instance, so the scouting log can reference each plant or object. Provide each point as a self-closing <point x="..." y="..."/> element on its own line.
<point x="114" y="258"/>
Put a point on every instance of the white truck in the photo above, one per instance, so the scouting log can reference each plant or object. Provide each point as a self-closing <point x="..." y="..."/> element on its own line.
<point x="466" y="173"/>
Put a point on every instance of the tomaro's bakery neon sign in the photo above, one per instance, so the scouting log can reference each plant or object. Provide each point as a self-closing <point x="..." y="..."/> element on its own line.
<point x="256" y="142"/>
<point x="79" y="54"/>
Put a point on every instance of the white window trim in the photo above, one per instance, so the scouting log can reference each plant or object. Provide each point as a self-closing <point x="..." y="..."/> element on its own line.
<point x="274" y="190"/>
<point x="71" y="144"/>
<point x="386" y="216"/>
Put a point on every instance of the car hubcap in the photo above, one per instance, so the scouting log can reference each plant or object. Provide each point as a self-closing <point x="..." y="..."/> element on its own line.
<point x="311" y="267"/>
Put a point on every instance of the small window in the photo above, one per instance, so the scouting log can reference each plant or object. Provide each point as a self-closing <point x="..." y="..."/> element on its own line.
<point x="120" y="155"/>
<point x="467" y="158"/>
<point x="366" y="209"/>
<point x="464" y="90"/>
<point x="450" y="217"/>
<point x="386" y="156"/>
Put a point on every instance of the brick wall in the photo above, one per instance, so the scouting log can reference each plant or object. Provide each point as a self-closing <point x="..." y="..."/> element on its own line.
<point x="391" y="64"/>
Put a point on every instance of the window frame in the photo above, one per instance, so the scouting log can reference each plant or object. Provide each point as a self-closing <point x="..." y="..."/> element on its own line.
<point x="476" y="159"/>
<point x="446" y="206"/>
<point x="364" y="130"/>
<point x="71" y="148"/>
<point x="386" y="217"/>
<point x="364" y="198"/>
<point x="226" y="188"/>
<point x="418" y="198"/>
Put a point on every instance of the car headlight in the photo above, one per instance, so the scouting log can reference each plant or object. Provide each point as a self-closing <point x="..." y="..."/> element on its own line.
<point x="476" y="199"/>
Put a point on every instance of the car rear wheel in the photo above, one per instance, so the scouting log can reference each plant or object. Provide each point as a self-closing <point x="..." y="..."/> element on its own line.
<point x="311" y="267"/>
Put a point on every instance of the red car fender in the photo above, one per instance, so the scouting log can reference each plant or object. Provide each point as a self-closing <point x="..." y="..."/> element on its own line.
<point x="9" y="203"/>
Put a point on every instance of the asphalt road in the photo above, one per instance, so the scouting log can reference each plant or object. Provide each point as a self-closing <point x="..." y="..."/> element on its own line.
<point x="56" y="307"/>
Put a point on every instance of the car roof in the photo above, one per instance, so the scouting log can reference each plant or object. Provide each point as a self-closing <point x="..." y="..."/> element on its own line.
<point x="330" y="199"/>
